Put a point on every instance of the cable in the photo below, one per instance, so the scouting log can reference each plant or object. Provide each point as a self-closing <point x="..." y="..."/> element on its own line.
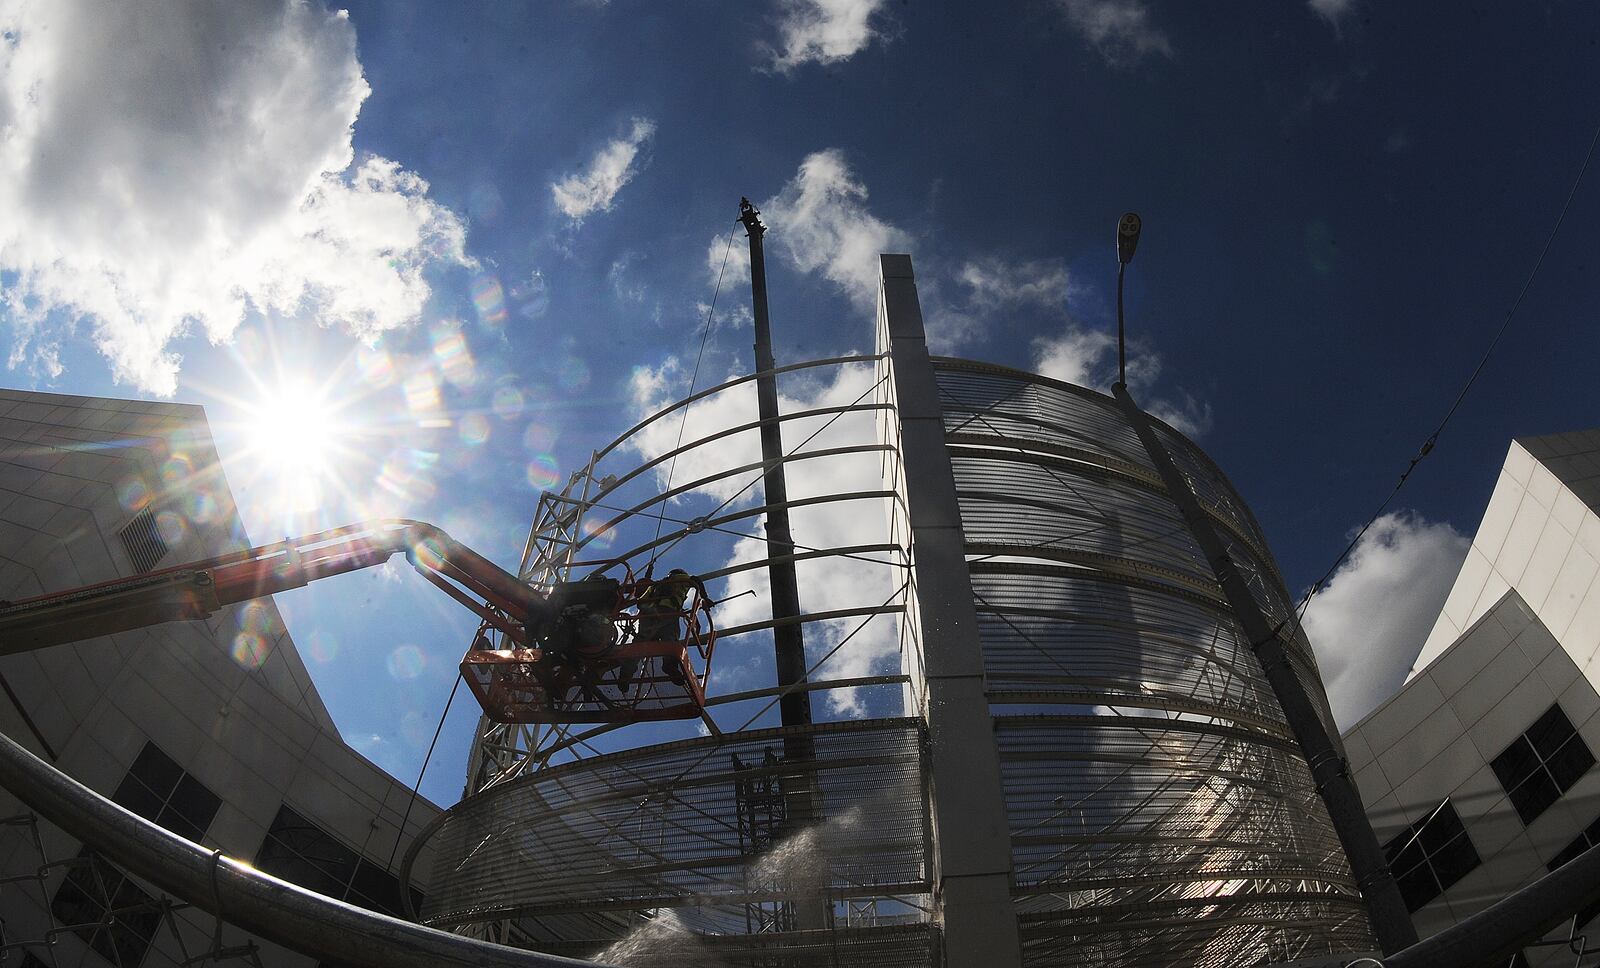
<point x="705" y="333"/>
<point x="400" y="833"/>
<point x="1433" y="438"/>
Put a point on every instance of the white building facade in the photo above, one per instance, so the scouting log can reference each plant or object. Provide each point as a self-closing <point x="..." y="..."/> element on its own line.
<point x="212" y="729"/>
<point x="1480" y="774"/>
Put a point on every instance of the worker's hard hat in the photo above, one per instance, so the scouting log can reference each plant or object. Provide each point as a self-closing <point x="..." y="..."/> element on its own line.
<point x="677" y="571"/>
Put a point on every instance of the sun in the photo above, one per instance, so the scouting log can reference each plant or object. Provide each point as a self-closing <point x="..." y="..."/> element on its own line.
<point x="295" y="438"/>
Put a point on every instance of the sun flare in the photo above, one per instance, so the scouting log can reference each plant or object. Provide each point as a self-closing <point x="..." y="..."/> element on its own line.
<point x="296" y="439"/>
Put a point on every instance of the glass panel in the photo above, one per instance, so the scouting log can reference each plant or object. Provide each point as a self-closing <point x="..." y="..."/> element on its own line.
<point x="180" y="825"/>
<point x="197" y="804"/>
<point x="1550" y="731"/>
<point x="1440" y="828"/>
<point x="1570" y="762"/>
<point x="1418" y="887"/>
<point x="379" y="891"/>
<point x="1514" y="765"/>
<point x="156" y="770"/>
<point x="280" y="861"/>
<point x="137" y="797"/>
<point x="1454" y="861"/>
<point x="1534" y="796"/>
<point x="308" y="856"/>
<point x="1404" y="851"/>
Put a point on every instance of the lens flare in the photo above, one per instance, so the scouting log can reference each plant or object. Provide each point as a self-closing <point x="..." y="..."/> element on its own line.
<point x="600" y="537"/>
<point x="540" y="437"/>
<point x="407" y="662"/>
<point x="508" y="402"/>
<point x="177" y="469"/>
<point x="573" y="374"/>
<point x="543" y="472"/>
<point x="257" y="619"/>
<point x="489" y="300"/>
<point x="171" y="526"/>
<point x="451" y="355"/>
<point x="422" y="393"/>
<point x="428" y="553"/>
<point x="474" y="429"/>
<point x="249" y="650"/>
<point x="133" y="494"/>
<point x="202" y="508"/>
<point x="375" y="366"/>
<point x="323" y="647"/>
<point x="405" y="475"/>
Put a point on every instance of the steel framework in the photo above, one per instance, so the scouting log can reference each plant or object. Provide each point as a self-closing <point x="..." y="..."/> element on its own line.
<point x="1151" y="805"/>
<point x="1160" y="810"/>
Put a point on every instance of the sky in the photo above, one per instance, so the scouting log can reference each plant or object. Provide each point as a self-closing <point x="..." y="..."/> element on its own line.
<point x="421" y="259"/>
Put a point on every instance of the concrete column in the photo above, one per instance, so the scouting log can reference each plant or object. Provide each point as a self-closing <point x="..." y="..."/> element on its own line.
<point x="971" y="840"/>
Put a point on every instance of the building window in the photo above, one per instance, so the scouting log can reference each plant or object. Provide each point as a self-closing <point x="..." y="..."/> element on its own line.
<point x="143" y="541"/>
<point x="157" y="789"/>
<point x="1588" y="837"/>
<point x="1430" y="855"/>
<point x="300" y="852"/>
<point x="1542" y="764"/>
<point x="110" y="913"/>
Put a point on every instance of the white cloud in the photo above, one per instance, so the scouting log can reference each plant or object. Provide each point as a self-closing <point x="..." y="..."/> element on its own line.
<point x="823" y="31"/>
<point x="995" y="283"/>
<point x="1332" y="11"/>
<point x="1085" y="357"/>
<point x="825" y="584"/>
<point x="625" y="283"/>
<point x="182" y="164"/>
<point x="1119" y="30"/>
<point x="1369" y="622"/>
<point x="728" y="258"/>
<point x="947" y="328"/>
<point x="821" y="224"/>
<point x="595" y="190"/>
<point x="1088" y="358"/>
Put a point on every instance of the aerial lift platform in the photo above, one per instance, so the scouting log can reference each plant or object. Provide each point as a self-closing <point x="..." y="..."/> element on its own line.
<point x="572" y="654"/>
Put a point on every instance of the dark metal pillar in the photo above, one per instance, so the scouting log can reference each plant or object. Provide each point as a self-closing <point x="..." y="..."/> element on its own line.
<point x="1385" y="907"/>
<point x="787" y="637"/>
<point x="802" y="801"/>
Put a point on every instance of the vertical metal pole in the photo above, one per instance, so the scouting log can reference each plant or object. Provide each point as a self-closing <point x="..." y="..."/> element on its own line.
<point x="1385" y="907"/>
<point x="802" y="801"/>
<point x="787" y="637"/>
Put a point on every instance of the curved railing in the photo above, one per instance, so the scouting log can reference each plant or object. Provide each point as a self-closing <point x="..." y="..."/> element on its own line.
<point x="686" y="831"/>
<point x="573" y="839"/>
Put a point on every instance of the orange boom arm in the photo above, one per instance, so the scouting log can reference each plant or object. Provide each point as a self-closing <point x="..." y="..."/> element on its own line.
<point x="199" y="589"/>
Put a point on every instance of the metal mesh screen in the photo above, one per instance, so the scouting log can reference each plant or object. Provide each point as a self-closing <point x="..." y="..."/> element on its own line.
<point x="589" y="854"/>
<point x="1160" y="813"/>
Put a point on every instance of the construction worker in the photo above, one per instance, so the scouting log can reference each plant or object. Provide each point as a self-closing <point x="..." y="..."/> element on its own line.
<point x="660" y="620"/>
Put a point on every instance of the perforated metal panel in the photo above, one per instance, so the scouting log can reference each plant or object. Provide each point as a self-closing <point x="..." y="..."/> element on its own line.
<point x="1160" y="813"/>
<point x="587" y="854"/>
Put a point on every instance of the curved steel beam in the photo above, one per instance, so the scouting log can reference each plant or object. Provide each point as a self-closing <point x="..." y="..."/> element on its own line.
<point x="255" y="902"/>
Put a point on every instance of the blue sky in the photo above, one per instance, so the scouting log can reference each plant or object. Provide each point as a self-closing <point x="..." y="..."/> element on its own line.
<point x="473" y="230"/>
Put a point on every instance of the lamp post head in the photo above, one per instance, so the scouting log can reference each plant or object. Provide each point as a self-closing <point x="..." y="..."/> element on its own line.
<point x="1128" y="236"/>
<point x="750" y="217"/>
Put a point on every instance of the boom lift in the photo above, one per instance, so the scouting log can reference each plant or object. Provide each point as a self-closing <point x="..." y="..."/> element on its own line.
<point x="570" y="655"/>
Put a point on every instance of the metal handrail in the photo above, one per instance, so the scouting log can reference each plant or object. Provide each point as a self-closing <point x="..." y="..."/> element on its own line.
<point x="232" y="890"/>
